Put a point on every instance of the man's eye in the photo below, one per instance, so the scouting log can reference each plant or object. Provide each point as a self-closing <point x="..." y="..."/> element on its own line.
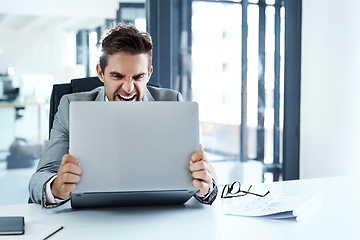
<point x="118" y="76"/>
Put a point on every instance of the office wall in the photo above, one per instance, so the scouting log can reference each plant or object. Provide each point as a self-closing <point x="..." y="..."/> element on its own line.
<point x="330" y="88"/>
<point x="39" y="59"/>
<point x="37" y="52"/>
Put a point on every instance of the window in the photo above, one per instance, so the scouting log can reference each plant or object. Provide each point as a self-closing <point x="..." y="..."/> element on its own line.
<point x="237" y="79"/>
<point x="216" y="76"/>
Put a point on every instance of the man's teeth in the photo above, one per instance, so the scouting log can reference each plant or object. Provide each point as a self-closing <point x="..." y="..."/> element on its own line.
<point x="126" y="98"/>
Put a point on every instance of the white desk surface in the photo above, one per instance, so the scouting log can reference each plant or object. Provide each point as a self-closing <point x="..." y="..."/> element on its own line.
<point x="336" y="218"/>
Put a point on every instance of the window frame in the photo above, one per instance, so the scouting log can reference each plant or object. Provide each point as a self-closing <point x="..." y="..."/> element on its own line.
<point x="164" y="20"/>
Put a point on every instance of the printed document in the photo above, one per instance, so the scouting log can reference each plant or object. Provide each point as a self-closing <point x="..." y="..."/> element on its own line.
<point x="297" y="207"/>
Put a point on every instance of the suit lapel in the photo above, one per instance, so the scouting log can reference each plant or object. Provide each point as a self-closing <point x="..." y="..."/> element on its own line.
<point x="148" y="97"/>
<point x="101" y="95"/>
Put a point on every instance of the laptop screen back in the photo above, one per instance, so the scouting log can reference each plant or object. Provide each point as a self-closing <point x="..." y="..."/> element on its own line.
<point x="134" y="146"/>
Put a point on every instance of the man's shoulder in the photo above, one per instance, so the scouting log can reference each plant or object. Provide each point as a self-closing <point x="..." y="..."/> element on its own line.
<point x="85" y="96"/>
<point x="164" y="94"/>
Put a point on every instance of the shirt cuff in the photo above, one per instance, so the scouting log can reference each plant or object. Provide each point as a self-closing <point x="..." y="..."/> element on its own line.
<point x="50" y="199"/>
<point x="210" y="196"/>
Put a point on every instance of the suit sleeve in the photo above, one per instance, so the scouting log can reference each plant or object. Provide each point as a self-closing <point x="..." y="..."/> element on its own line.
<point x="210" y="197"/>
<point x="54" y="149"/>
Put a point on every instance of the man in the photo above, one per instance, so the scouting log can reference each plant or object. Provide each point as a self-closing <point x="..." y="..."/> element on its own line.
<point x="125" y="68"/>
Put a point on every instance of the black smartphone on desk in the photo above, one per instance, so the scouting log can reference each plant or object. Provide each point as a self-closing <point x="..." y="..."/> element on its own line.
<point x="14" y="225"/>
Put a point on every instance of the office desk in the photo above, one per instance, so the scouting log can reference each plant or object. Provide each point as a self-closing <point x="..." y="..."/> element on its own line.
<point x="35" y="113"/>
<point x="336" y="218"/>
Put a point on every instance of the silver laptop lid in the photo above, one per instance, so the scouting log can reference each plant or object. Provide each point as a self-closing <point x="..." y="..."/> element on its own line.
<point x="134" y="146"/>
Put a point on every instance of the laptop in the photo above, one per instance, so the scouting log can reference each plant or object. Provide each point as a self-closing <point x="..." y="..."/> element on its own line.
<point x="133" y="153"/>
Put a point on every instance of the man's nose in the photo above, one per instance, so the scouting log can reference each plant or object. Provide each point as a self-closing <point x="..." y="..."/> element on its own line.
<point x="128" y="85"/>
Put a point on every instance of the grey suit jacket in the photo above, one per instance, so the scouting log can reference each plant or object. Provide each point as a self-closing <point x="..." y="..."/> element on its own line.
<point x="58" y="144"/>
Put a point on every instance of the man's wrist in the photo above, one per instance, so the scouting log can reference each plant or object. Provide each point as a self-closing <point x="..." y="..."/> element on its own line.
<point x="209" y="192"/>
<point x="210" y="197"/>
<point x="50" y="198"/>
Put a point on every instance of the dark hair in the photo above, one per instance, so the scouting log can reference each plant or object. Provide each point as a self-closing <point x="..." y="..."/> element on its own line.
<point x="124" y="38"/>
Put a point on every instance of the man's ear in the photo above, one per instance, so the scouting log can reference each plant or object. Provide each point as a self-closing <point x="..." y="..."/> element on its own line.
<point x="99" y="72"/>
<point x="150" y="72"/>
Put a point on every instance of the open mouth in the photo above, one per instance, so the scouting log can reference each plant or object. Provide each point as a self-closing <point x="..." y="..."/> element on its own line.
<point x="127" y="98"/>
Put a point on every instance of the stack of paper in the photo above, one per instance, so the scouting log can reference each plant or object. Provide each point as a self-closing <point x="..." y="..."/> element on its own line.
<point x="298" y="207"/>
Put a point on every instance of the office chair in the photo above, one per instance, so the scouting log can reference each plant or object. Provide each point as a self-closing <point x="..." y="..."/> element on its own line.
<point x="76" y="85"/>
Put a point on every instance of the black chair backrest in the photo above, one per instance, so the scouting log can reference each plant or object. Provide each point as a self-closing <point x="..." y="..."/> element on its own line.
<point x="76" y="85"/>
<point x="85" y="84"/>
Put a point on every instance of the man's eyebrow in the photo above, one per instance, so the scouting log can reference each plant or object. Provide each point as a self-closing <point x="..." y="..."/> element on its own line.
<point x="116" y="74"/>
<point x="139" y="75"/>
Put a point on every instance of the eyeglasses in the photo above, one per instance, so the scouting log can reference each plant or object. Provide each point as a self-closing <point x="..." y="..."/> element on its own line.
<point x="233" y="190"/>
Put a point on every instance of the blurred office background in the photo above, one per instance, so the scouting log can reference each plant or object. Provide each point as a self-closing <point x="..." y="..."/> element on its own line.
<point x="276" y="80"/>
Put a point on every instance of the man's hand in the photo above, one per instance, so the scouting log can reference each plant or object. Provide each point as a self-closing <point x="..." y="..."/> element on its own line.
<point x="201" y="171"/>
<point x="68" y="176"/>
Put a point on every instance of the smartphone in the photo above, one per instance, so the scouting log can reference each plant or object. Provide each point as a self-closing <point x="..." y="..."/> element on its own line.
<point x="14" y="225"/>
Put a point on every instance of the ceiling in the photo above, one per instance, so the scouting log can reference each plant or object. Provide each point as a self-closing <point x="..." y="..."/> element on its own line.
<point x="50" y="15"/>
<point x="48" y="23"/>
